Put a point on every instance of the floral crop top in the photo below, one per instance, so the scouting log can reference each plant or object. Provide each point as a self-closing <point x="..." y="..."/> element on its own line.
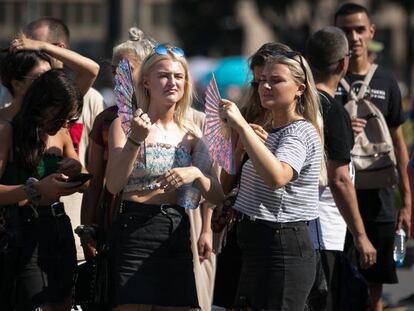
<point x="154" y="160"/>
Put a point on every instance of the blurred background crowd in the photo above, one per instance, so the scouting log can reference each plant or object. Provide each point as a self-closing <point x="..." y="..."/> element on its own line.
<point x="216" y="35"/>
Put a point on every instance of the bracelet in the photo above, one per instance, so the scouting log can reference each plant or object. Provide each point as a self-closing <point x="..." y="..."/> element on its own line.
<point x="134" y="141"/>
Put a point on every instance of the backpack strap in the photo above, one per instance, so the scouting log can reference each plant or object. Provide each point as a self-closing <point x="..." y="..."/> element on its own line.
<point x="367" y="80"/>
<point x="347" y="88"/>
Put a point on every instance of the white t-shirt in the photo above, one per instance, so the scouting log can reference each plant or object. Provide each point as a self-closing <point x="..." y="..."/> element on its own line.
<point x="328" y="232"/>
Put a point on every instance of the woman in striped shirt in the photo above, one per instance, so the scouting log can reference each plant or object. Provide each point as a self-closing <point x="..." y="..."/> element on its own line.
<point x="279" y="188"/>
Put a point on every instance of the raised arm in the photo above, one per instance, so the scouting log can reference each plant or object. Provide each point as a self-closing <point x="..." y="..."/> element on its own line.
<point x="122" y="155"/>
<point x="84" y="68"/>
<point x="274" y="173"/>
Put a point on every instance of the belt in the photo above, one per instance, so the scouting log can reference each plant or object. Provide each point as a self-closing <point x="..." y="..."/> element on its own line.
<point x="54" y="210"/>
<point x="136" y="207"/>
<point x="275" y="225"/>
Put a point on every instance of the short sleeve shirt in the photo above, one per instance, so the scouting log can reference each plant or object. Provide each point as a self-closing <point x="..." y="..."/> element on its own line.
<point x="297" y="145"/>
<point x="339" y="138"/>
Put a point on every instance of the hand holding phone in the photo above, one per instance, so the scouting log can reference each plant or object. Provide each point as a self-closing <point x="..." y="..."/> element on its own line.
<point x="81" y="177"/>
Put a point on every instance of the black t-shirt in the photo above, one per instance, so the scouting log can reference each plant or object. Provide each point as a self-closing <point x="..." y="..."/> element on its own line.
<point x="339" y="138"/>
<point x="378" y="204"/>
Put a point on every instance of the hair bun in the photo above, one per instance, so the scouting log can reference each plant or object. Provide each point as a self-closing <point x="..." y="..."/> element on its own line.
<point x="135" y="34"/>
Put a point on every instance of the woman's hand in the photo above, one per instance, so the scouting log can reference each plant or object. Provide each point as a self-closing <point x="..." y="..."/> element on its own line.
<point x="140" y="125"/>
<point x="205" y="245"/>
<point x="70" y="167"/>
<point x="55" y="185"/>
<point x="20" y="44"/>
<point x="231" y="115"/>
<point x="177" y="177"/>
<point x="89" y="246"/>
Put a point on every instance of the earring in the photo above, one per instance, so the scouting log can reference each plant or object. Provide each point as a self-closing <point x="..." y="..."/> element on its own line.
<point x="299" y="104"/>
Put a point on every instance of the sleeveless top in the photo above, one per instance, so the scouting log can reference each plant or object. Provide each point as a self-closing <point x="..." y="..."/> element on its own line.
<point x="14" y="175"/>
<point x="153" y="161"/>
<point x="156" y="158"/>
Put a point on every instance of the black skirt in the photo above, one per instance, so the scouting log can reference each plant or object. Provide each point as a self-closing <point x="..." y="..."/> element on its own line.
<point x="151" y="258"/>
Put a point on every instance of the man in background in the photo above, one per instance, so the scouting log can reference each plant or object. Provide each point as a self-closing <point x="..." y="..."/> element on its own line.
<point x="338" y="206"/>
<point x="377" y="206"/>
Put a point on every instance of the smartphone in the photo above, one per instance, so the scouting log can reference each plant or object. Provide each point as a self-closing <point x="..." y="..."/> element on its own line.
<point x="82" y="177"/>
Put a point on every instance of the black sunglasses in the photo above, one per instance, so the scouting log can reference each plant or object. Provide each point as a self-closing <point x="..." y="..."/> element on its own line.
<point x="293" y="55"/>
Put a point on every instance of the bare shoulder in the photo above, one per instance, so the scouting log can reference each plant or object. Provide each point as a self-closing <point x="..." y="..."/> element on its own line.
<point x="5" y="126"/>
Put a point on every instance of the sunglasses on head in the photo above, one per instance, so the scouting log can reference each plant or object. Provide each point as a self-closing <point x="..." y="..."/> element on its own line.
<point x="292" y="55"/>
<point x="163" y="49"/>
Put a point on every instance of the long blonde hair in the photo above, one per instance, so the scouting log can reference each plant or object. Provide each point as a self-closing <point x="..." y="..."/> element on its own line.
<point x="307" y="105"/>
<point x="143" y="96"/>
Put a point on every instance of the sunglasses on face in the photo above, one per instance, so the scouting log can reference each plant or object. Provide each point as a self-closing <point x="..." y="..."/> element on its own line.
<point x="62" y="122"/>
<point x="163" y="49"/>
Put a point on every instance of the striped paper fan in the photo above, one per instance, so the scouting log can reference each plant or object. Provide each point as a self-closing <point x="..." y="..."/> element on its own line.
<point x="125" y="94"/>
<point x="217" y="133"/>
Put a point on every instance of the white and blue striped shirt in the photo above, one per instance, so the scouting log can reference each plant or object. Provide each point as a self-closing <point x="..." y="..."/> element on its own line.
<point x="298" y="145"/>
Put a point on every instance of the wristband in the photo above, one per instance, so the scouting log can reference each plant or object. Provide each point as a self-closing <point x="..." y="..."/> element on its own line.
<point x="134" y="141"/>
<point x="32" y="194"/>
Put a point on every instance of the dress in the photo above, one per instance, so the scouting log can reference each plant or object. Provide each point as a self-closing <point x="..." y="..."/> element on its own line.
<point x="39" y="262"/>
<point x="377" y="206"/>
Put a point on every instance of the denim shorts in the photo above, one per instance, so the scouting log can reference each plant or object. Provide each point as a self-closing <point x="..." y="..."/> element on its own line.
<point x="39" y="263"/>
<point x="150" y="256"/>
<point x="278" y="265"/>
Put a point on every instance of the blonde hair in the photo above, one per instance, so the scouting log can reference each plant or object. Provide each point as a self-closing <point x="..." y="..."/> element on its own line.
<point x="308" y="104"/>
<point x="138" y="46"/>
<point x="143" y="96"/>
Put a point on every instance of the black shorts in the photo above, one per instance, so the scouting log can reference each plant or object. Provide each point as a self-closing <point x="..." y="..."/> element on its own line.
<point x="39" y="263"/>
<point x="151" y="258"/>
<point x="381" y="235"/>
<point x="278" y="266"/>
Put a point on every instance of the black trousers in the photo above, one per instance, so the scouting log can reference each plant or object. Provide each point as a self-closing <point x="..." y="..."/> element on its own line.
<point x="39" y="262"/>
<point x="278" y="267"/>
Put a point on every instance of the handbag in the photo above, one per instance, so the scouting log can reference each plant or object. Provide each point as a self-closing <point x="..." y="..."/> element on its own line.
<point x="92" y="284"/>
<point x="224" y="215"/>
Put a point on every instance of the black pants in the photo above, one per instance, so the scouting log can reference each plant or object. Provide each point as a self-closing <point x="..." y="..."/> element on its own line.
<point x="278" y="266"/>
<point x="39" y="262"/>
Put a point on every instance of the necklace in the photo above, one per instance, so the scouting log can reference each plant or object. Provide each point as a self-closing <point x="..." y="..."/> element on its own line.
<point x="163" y="133"/>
